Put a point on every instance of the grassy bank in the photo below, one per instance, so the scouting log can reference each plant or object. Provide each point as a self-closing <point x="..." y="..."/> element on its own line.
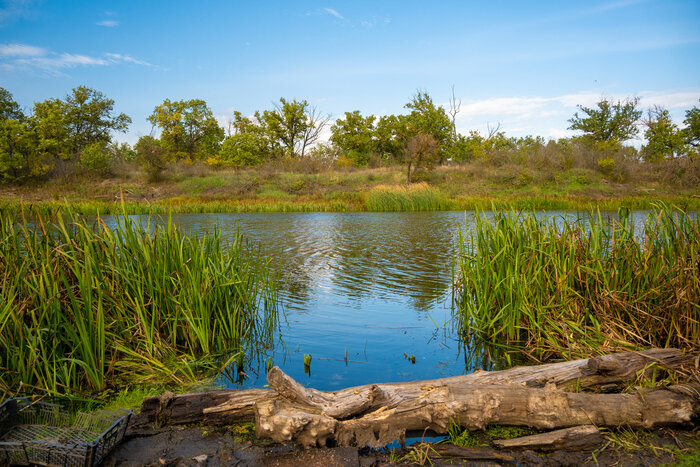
<point x="85" y="309"/>
<point x="568" y="289"/>
<point x="469" y="186"/>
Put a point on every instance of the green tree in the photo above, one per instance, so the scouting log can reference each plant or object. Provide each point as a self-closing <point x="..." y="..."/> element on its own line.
<point x="390" y="136"/>
<point x="692" y="129"/>
<point x="152" y="156"/>
<point x="242" y="149"/>
<point x="293" y="125"/>
<point x="355" y="136"/>
<point x="49" y="119"/>
<point x="188" y="128"/>
<point x="664" y="139"/>
<point x="90" y="118"/>
<point x="67" y="126"/>
<point x="96" y="158"/>
<point x="19" y="158"/>
<point x="9" y="109"/>
<point x="611" y="122"/>
<point x="430" y="120"/>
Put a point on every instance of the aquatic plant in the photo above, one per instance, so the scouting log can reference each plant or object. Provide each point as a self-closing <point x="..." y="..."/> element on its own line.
<point x="559" y="288"/>
<point x="417" y="197"/>
<point x="84" y="307"/>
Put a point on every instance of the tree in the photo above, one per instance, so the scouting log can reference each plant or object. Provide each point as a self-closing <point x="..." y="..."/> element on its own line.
<point x="9" y="109"/>
<point x="85" y="117"/>
<point x="664" y="139"/>
<point x="354" y="135"/>
<point x="90" y="119"/>
<point x="430" y="120"/>
<point x="390" y="135"/>
<point x="610" y="122"/>
<point x="692" y="129"/>
<point x="246" y="144"/>
<point x="189" y="129"/>
<point x="294" y="125"/>
<point x="152" y="156"/>
<point x="19" y="158"/>
<point x="421" y="152"/>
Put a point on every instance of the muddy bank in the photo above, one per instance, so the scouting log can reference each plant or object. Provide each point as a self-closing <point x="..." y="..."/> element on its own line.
<point x="235" y="446"/>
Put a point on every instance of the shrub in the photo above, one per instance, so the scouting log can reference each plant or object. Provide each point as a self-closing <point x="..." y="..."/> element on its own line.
<point x="96" y="159"/>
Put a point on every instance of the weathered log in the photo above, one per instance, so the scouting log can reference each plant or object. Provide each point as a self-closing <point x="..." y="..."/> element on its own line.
<point x="231" y="406"/>
<point x="577" y="438"/>
<point x="449" y="451"/>
<point x="178" y="409"/>
<point x="472" y="406"/>
<point x="592" y="372"/>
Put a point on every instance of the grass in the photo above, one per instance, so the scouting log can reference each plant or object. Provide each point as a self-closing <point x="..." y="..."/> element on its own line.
<point x="566" y="289"/>
<point x="85" y="309"/>
<point x="505" y="182"/>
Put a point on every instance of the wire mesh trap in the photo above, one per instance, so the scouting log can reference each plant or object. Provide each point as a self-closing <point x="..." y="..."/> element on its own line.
<point x="45" y="434"/>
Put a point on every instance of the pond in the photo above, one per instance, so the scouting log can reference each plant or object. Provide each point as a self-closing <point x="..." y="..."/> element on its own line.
<point x="367" y="295"/>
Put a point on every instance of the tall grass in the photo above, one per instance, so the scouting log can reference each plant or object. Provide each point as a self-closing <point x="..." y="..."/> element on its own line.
<point x="568" y="288"/>
<point x="418" y="197"/>
<point x="85" y="308"/>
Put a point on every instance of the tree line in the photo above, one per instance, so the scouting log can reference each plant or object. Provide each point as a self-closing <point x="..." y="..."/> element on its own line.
<point x="77" y="133"/>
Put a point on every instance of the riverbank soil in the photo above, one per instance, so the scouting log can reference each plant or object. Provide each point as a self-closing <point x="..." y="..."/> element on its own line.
<point x="200" y="445"/>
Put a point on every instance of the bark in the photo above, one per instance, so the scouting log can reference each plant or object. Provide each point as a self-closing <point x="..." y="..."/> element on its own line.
<point x="578" y="438"/>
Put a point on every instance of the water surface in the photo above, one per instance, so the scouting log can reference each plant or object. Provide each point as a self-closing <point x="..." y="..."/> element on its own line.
<point x="377" y="286"/>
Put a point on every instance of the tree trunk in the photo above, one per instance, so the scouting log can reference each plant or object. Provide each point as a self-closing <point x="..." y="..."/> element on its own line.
<point x="532" y="396"/>
<point x="472" y="406"/>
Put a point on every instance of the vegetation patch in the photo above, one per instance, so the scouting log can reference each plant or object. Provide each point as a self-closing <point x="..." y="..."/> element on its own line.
<point x="566" y="289"/>
<point x="85" y="308"/>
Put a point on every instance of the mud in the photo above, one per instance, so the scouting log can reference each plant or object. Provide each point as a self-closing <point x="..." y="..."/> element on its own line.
<point x="234" y="446"/>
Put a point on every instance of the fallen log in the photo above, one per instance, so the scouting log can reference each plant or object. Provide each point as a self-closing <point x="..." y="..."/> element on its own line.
<point x="232" y="406"/>
<point x="472" y="406"/>
<point x="577" y="438"/>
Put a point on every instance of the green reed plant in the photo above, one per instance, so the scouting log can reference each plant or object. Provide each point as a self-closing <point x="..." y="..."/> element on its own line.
<point x="417" y="197"/>
<point x="85" y="307"/>
<point x="566" y="288"/>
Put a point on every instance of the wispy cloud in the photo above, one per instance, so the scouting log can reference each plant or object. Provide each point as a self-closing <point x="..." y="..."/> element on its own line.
<point x="29" y="57"/>
<point x="547" y="116"/>
<point x="108" y="23"/>
<point x="20" y="50"/>
<point x="333" y="12"/>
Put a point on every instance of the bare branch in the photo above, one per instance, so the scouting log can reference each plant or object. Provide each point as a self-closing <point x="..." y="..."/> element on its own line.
<point x="454" y="110"/>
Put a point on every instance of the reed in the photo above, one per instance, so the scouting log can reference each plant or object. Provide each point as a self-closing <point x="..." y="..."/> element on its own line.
<point x="558" y="288"/>
<point x="85" y="308"/>
<point x="418" y="197"/>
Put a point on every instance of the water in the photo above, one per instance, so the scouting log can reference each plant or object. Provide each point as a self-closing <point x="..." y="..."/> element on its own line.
<point x="375" y="285"/>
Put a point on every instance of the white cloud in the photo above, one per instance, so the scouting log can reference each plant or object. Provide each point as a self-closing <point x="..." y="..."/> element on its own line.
<point x="20" y="50"/>
<point x="108" y="23"/>
<point x="333" y="12"/>
<point x="119" y="58"/>
<point x="22" y="56"/>
<point x="548" y="116"/>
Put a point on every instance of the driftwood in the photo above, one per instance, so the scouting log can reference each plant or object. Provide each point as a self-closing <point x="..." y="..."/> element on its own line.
<point x="472" y="406"/>
<point x="232" y="406"/>
<point x="378" y="414"/>
<point x="577" y="438"/>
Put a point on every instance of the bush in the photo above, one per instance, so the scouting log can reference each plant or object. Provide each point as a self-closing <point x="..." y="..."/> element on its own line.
<point x="96" y="159"/>
<point x="152" y="157"/>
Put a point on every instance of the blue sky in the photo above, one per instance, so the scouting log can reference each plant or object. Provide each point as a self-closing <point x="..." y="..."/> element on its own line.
<point x="524" y="65"/>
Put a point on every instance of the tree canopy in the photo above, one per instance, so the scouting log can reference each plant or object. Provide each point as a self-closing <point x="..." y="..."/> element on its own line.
<point x="610" y="121"/>
<point x="189" y="129"/>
